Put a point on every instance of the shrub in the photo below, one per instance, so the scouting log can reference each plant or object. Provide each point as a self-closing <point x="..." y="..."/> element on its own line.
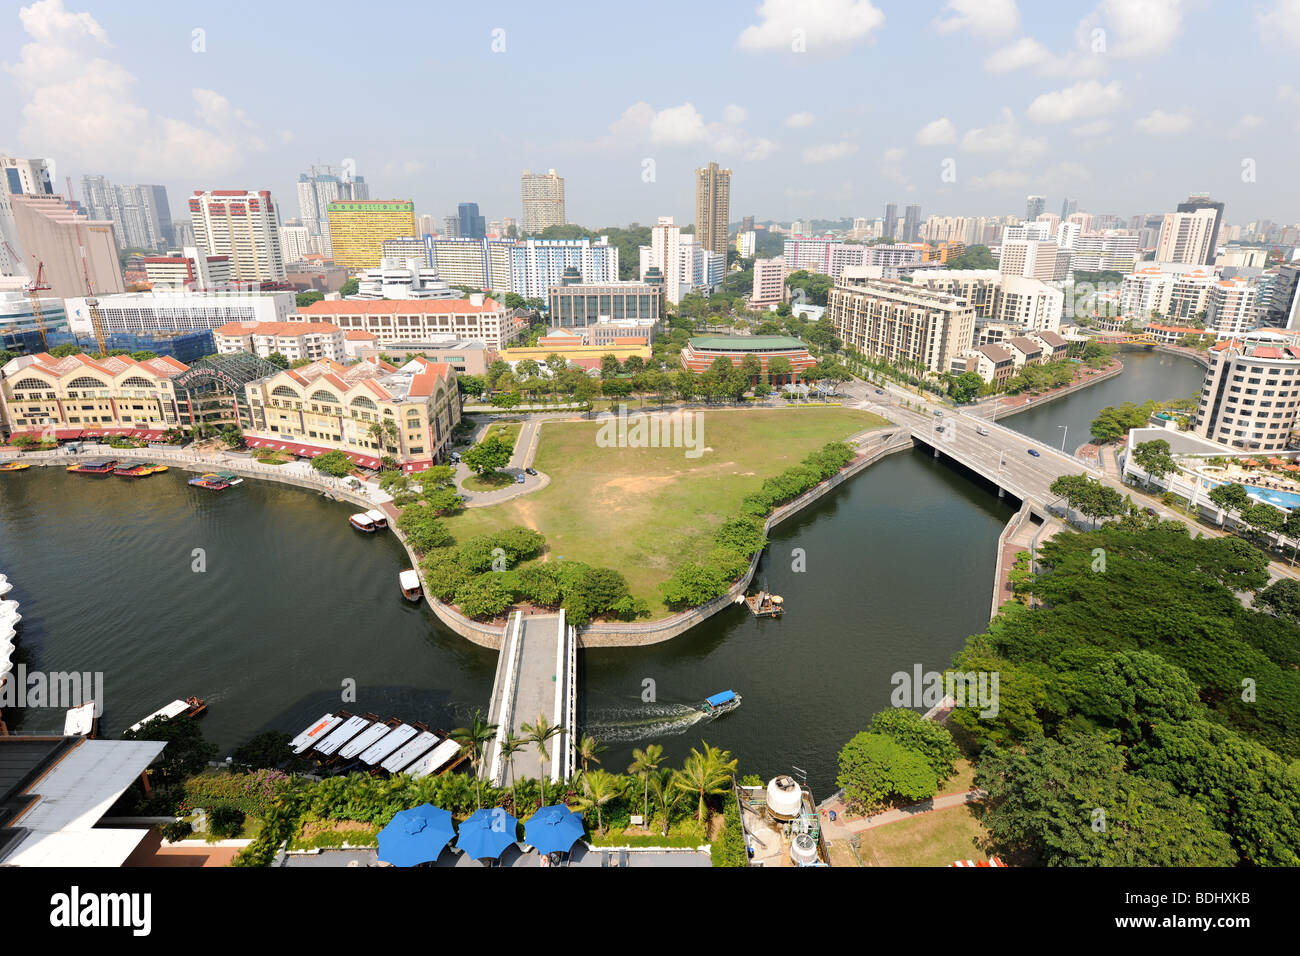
<point x="423" y="530"/>
<point x="483" y="597"/>
<point x="226" y="821"/>
<point x="177" y="830"/>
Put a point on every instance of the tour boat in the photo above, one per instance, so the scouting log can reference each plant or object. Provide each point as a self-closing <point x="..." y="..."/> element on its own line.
<point x="157" y="469"/>
<point x="378" y="517"/>
<point x="14" y="465"/>
<point x="410" y="582"/>
<point x="213" y="482"/>
<point x="80" y="721"/>
<point x="721" y="703"/>
<point x="98" y="469"/>
<point x="362" y="522"/>
<point x="230" y="478"/>
<point x="135" y="471"/>
<point x="189" y="707"/>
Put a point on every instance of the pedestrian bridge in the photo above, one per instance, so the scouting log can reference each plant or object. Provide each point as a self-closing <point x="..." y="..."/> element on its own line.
<point x="536" y="676"/>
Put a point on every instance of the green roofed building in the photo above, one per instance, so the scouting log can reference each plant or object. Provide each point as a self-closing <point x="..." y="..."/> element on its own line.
<point x="701" y="352"/>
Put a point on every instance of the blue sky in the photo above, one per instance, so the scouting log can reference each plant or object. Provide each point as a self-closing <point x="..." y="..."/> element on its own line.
<point x="1127" y="105"/>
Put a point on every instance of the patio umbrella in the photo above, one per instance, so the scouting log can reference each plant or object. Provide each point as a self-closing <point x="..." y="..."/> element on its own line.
<point x="415" y="836"/>
<point x="553" y="829"/>
<point x="486" y="833"/>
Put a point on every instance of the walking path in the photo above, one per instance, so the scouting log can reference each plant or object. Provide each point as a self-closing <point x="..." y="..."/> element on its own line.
<point x="846" y="826"/>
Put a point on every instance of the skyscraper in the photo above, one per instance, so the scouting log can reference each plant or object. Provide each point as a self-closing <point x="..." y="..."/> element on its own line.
<point x="320" y="186"/>
<point x="241" y="224"/>
<point x="450" y="227"/>
<point x="1034" y="206"/>
<point x="69" y="245"/>
<point x="543" y="198"/>
<point x="912" y="223"/>
<point x="1186" y="237"/>
<point x="472" y="225"/>
<point x="712" y="207"/>
<point x="1068" y="208"/>
<point x="140" y="215"/>
<point x="890" y="225"/>
<point x="1198" y="201"/>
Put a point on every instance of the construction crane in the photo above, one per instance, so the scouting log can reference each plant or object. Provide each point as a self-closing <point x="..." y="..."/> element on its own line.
<point x="34" y="287"/>
<point x="92" y="303"/>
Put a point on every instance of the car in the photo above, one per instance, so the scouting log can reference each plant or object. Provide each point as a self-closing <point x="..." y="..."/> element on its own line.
<point x="529" y="471"/>
<point x="938" y="413"/>
<point x="1152" y="512"/>
<point x="519" y="479"/>
<point x="1034" y="452"/>
<point x="938" y="428"/>
<point x="981" y="430"/>
<point x="880" y="391"/>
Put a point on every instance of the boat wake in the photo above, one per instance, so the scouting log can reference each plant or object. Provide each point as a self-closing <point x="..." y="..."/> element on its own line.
<point x="631" y="723"/>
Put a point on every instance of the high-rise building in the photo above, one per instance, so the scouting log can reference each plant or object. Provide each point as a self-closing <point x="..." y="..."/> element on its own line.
<point x="1034" y="259"/>
<point x="472" y="225"/>
<point x="358" y="229"/>
<point x="912" y="223"/>
<point x="320" y="186"/>
<point x="712" y="207"/>
<point x="26" y="177"/>
<point x="1227" y="415"/>
<point x="1279" y="309"/>
<point x="51" y="233"/>
<point x="450" y="227"/>
<point x="890" y="225"/>
<point x="428" y="225"/>
<point x="747" y="224"/>
<point x="1186" y="237"/>
<point x="1197" y="202"/>
<point x="140" y="214"/>
<point x="1068" y="208"/>
<point x="899" y="323"/>
<point x="538" y="264"/>
<point x="241" y="224"/>
<point x="543" y="197"/>
<point x="1034" y="206"/>
<point x="769" y="283"/>
<point x="188" y="272"/>
<point x="746" y="243"/>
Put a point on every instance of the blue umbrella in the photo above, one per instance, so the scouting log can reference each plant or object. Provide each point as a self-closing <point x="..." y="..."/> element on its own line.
<point x="415" y="836"/>
<point x="487" y="833"/>
<point x="553" y="829"/>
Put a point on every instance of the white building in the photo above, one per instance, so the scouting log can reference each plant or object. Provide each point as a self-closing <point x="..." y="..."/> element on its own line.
<point x="538" y="264"/>
<point x="1250" y="397"/>
<point x="403" y="279"/>
<point x="746" y="243"/>
<point x="240" y="224"/>
<point x="1230" y="308"/>
<point x="1109" y="251"/>
<point x="151" y="312"/>
<point x="665" y="254"/>
<point x="297" y="243"/>
<point x="474" y="263"/>
<point x="769" y="283"/>
<point x="293" y="340"/>
<point x="1034" y="259"/>
<point x="395" y="321"/>
<point x="188" y="272"/>
<point x="1186" y="237"/>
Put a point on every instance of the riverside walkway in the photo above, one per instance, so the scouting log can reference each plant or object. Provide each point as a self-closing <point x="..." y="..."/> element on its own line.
<point x="536" y="676"/>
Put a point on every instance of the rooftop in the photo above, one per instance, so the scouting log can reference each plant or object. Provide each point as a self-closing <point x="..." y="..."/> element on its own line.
<point x="746" y="343"/>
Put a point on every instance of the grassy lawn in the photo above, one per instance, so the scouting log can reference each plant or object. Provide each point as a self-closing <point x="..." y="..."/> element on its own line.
<point x="498" y="479"/>
<point x="643" y="511"/>
<point x="507" y="430"/>
<point x="931" y="839"/>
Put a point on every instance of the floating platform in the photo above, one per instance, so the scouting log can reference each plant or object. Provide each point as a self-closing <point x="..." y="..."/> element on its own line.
<point x="765" y="605"/>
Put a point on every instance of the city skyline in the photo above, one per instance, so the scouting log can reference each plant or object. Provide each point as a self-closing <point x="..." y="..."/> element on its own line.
<point x="1095" y="102"/>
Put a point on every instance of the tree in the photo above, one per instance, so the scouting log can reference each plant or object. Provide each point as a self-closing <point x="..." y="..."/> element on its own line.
<point x="538" y="733"/>
<point x="705" y="774"/>
<point x="334" y="463"/>
<point x="473" y="738"/>
<point x="645" y="764"/>
<point x="876" y="771"/>
<point x="1153" y="457"/>
<point x="509" y="746"/>
<point x="422" y="529"/>
<point x="1231" y="497"/>
<point x="232" y="436"/>
<point x="928" y="738"/>
<point x="1282" y="597"/>
<point x="780" y="368"/>
<point x="666" y="794"/>
<point x="588" y="750"/>
<point x="186" y="753"/>
<point x="489" y="455"/>
<point x="965" y="387"/>
<point x="692" y="585"/>
<point x="609" y="366"/>
<point x="598" y="788"/>
<point x="1090" y="498"/>
<point x="350" y="287"/>
<point x="483" y="597"/>
<point x="305" y="299"/>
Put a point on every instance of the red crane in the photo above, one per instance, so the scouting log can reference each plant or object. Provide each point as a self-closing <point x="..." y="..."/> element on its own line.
<point x="35" y="286"/>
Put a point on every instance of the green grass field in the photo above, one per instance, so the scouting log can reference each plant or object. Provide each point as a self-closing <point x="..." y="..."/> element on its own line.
<point x="936" y="838"/>
<point x="643" y="511"/>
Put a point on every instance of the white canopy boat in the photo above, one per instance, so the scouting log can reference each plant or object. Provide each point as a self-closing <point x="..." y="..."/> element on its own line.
<point x="362" y="522"/>
<point x="315" y="732"/>
<point x="80" y="721"/>
<point x="327" y="746"/>
<point x="434" y="760"/>
<point x="378" y="517"/>
<point x="410" y="582"/>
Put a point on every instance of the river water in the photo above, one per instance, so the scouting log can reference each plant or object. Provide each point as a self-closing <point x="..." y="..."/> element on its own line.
<point x="894" y="570"/>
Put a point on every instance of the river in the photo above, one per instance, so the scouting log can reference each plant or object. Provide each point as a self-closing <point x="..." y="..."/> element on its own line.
<point x="897" y="572"/>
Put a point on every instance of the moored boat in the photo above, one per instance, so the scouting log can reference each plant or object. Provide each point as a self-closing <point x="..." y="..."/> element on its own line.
<point x="14" y="465"/>
<point x="378" y="517"/>
<point x="189" y="707"/>
<point x="141" y="470"/>
<point x="721" y="703"/>
<point x="230" y="478"/>
<point x="410" y="582"/>
<point x="158" y="469"/>
<point x="362" y="522"/>
<point x="97" y="469"/>
<point x="80" y="721"/>
<point x="211" y="482"/>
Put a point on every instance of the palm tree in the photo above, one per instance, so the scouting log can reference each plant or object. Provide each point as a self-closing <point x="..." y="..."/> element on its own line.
<point x="666" y="795"/>
<point x="598" y="788"/>
<point x="510" y="745"/>
<point x="704" y="775"/>
<point x="538" y="733"/>
<point x="644" y="764"/>
<point x="588" y="747"/>
<point x="473" y="738"/>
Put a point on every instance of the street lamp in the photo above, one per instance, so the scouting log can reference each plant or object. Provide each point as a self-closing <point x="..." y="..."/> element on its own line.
<point x="1063" y="434"/>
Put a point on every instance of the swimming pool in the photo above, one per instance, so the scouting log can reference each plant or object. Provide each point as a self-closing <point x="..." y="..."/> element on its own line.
<point x="1280" y="499"/>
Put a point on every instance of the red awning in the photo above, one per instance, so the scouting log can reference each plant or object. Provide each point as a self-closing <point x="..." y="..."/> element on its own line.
<point x="149" y="434"/>
<point x="310" y="451"/>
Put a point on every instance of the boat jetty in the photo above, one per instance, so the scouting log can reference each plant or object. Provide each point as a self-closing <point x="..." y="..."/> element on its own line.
<point x="343" y="743"/>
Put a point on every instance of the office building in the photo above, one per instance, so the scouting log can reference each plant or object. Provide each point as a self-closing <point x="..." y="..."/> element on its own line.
<point x="140" y="214"/>
<point x="358" y="229"/>
<point x="769" y="283"/>
<point x="578" y="304"/>
<point x="396" y="321"/>
<point x="1250" y="396"/>
<point x="912" y="223"/>
<point x="51" y="233"/>
<point x="889" y="228"/>
<point x="153" y="313"/>
<point x="1034" y="206"/>
<point x="896" y="322"/>
<point x="471" y="224"/>
<point x="1187" y="237"/>
<point x="1068" y="208"/>
<point x="1198" y="202"/>
<point x="543" y="201"/>
<point x="240" y="224"/>
<point x="712" y="207"/>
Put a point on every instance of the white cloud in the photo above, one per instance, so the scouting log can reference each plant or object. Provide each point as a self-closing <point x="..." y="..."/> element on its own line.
<point x="1095" y="128"/>
<point x="985" y="18"/>
<point x="937" y="133"/>
<point x="1248" y="122"/>
<point x="1135" y="28"/>
<point x="799" y="120"/>
<point x="1060" y="177"/>
<point x="1014" y="56"/>
<point x="1163" y="123"/>
<point x="828" y="152"/>
<point x="82" y="106"/>
<point x="1281" y="22"/>
<point x="820" y="24"/>
<point x="683" y="125"/>
<point x="1081" y="101"/>
<point x="891" y="166"/>
<point x="1004" y="137"/>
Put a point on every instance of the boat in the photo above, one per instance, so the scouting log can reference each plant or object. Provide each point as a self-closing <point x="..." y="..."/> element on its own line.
<point x="230" y="478"/>
<point x="14" y="465"/>
<point x="141" y="470"/>
<point x="158" y="469"/>
<point x="721" y="703"/>
<point x="766" y="605"/>
<point x="212" y="481"/>
<point x="362" y="522"/>
<point x="98" y="469"/>
<point x="80" y="721"/>
<point x="410" y="582"/>
<point x="189" y="707"/>
<point x="378" y="517"/>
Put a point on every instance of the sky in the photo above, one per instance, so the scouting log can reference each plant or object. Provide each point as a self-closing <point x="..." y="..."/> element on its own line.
<point x="821" y="108"/>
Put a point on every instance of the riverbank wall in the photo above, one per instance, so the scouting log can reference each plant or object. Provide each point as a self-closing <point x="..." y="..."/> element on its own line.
<point x="1052" y="396"/>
